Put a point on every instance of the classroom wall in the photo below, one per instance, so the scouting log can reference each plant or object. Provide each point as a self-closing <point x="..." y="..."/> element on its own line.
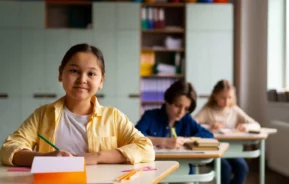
<point x="277" y="148"/>
<point x="255" y="60"/>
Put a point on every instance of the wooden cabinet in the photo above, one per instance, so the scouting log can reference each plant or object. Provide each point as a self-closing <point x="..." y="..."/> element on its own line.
<point x="10" y="14"/>
<point x="104" y="16"/>
<point x="32" y="62"/>
<point x="127" y="63"/>
<point x="117" y="36"/>
<point x="10" y="113"/>
<point x="209" y="51"/>
<point x="105" y="40"/>
<point x="32" y="15"/>
<point x="162" y="50"/>
<point x="10" y="61"/>
<point x="56" y="45"/>
<point x="127" y="16"/>
<point x="31" y="51"/>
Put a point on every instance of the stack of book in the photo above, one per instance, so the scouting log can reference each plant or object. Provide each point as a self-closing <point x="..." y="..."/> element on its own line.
<point x="203" y="144"/>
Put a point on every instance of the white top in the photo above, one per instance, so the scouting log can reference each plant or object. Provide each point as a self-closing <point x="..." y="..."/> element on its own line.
<point x="103" y="173"/>
<point x="230" y="117"/>
<point x="71" y="133"/>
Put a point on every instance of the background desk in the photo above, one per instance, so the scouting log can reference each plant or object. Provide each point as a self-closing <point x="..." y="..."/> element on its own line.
<point x="237" y="142"/>
<point x="185" y="157"/>
<point x="105" y="173"/>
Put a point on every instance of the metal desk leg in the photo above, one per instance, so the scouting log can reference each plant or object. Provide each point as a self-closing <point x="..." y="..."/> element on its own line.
<point x="196" y="171"/>
<point x="218" y="170"/>
<point x="262" y="162"/>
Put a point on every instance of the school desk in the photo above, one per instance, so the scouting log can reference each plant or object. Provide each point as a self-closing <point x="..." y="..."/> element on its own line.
<point x="197" y="158"/>
<point x="103" y="173"/>
<point x="239" y="140"/>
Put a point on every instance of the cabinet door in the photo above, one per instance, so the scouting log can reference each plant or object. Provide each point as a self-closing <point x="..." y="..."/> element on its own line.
<point x="106" y="42"/>
<point x="10" y="114"/>
<point x="10" y="14"/>
<point x="107" y="101"/>
<point x="200" y="103"/>
<point x="56" y="45"/>
<point x="104" y="16"/>
<point x="28" y="105"/>
<point x="9" y="62"/>
<point x="209" y="17"/>
<point x="130" y="107"/>
<point x="80" y="36"/>
<point x="128" y="56"/>
<point x="209" y="45"/>
<point x="128" y="16"/>
<point x="198" y="69"/>
<point x="32" y="14"/>
<point x="208" y="61"/>
<point x="32" y="62"/>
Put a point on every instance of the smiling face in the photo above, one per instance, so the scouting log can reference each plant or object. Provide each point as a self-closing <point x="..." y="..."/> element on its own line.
<point x="178" y="108"/>
<point x="82" y="76"/>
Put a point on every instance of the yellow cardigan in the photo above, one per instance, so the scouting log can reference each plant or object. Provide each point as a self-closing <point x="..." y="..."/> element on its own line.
<point x="107" y="129"/>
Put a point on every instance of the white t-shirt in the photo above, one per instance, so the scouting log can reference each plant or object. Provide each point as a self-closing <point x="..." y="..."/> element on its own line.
<point x="71" y="133"/>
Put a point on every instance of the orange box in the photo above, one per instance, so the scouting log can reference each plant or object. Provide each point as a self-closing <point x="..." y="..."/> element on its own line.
<point x="59" y="170"/>
<point x="59" y="178"/>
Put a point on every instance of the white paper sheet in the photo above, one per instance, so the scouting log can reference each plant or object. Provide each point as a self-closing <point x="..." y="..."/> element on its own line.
<point x="57" y="164"/>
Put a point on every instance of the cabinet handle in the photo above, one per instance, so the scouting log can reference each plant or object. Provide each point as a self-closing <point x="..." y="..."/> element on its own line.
<point x="3" y="95"/>
<point x="204" y="96"/>
<point x="99" y="95"/>
<point x="133" y="95"/>
<point x="44" y="95"/>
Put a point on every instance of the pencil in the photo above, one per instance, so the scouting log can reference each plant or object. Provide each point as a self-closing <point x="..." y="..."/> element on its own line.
<point x="43" y="138"/>
<point x="173" y="130"/>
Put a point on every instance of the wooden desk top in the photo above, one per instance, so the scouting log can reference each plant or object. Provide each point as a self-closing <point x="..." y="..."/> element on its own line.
<point x="104" y="173"/>
<point x="240" y="136"/>
<point x="268" y="130"/>
<point x="184" y="153"/>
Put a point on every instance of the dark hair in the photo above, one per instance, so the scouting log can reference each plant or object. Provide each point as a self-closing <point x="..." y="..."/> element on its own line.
<point x="219" y="87"/>
<point x="179" y="88"/>
<point x="83" y="48"/>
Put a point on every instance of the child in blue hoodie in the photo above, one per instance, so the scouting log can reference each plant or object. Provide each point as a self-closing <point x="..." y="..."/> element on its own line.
<point x="180" y="102"/>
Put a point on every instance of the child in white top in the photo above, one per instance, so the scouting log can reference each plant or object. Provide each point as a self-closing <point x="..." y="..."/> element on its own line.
<point x="219" y="112"/>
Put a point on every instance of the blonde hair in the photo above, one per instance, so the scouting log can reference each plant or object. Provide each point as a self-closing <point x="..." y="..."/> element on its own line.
<point x="218" y="88"/>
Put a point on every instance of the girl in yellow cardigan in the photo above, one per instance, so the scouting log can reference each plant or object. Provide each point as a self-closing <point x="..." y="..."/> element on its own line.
<point x="77" y="123"/>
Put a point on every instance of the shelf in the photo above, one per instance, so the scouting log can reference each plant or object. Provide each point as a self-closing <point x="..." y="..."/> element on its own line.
<point x="164" y="4"/>
<point x="68" y="14"/>
<point x="88" y="3"/>
<point x="162" y="50"/>
<point x="152" y="102"/>
<point x="164" y="76"/>
<point x="164" y="31"/>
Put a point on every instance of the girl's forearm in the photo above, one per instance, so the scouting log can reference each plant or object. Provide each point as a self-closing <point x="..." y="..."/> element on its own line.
<point x="104" y="157"/>
<point x="25" y="157"/>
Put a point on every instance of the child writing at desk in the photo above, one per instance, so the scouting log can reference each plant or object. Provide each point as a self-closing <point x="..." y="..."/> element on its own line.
<point x="157" y="124"/>
<point x="77" y="123"/>
<point x="221" y="111"/>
